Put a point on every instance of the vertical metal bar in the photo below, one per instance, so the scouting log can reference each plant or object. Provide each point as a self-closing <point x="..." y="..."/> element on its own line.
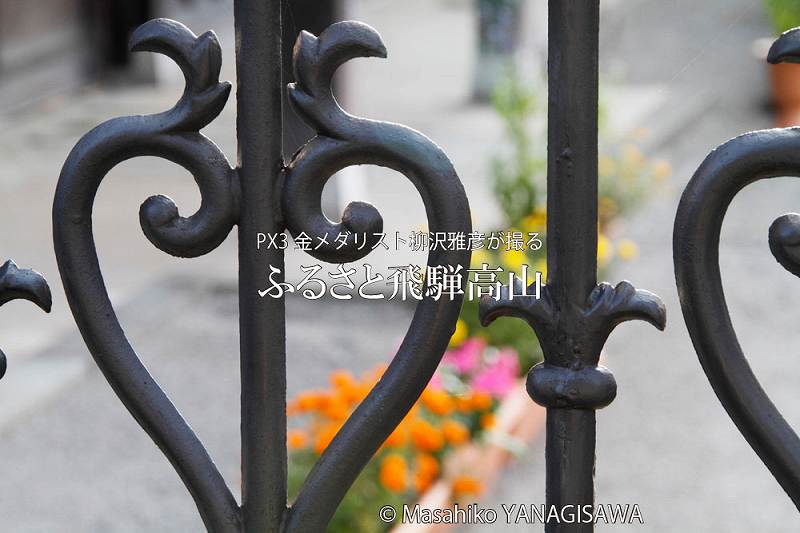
<point x="571" y="230"/>
<point x="262" y="320"/>
<point x="572" y="149"/>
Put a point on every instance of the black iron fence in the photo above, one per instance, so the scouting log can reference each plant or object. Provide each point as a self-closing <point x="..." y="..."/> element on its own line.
<point x="727" y="170"/>
<point x="572" y="318"/>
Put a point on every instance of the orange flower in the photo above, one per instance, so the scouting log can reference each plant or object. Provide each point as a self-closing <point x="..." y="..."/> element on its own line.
<point x="398" y="437"/>
<point x="335" y="408"/>
<point x="394" y="473"/>
<point x="359" y="392"/>
<point x="325" y="436"/>
<point x="307" y="401"/>
<point x="427" y="465"/>
<point x="438" y="401"/>
<point x="464" y="403"/>
<point x="464" y="485"/>
<point x="487" y="421"/>
<point x="371" y="377"/>
<point x="296" y="439"/>
<point x="426" y="437"/>
<point x="342" y="379"/>
<point x="422" y="482"/>
<point x="481" y="401"/>
<point x="455" y="432"/>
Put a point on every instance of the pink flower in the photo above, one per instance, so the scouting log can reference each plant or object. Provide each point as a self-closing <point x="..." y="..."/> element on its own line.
<point x="467" y="357"/>
<point x="499" y="376"/>
<point x="436" y="381"/>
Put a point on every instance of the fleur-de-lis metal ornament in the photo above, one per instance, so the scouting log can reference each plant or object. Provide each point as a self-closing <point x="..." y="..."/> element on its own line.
<point x="727" y="170"/>
<point x="574" y="315"/>
<point x="16" y="284"/>
<point x="260" y="195"/>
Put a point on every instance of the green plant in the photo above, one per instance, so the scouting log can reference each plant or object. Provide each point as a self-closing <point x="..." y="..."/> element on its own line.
<point x="517" y="177"/>
<point x="784" y="14"/>
<point x="625" y="178"/>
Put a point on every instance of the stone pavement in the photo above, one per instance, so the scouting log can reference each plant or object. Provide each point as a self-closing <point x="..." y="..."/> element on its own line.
<point x="73" y="460"/>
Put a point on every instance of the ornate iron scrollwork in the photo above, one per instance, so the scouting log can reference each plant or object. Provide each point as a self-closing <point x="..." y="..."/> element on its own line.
<point x="573" y="314"/>
<point x="16" y="284"/>
<point x="173" y="135"/>
<point x="728" y="169"/>
<point x="342" y="140"/>
<point x="573" y="337"/>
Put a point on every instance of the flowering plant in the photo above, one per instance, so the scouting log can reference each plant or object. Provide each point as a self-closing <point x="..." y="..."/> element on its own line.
<point x="455" y="409"/>
<point x="625" y="178"/>
<point x="784" y="14"/>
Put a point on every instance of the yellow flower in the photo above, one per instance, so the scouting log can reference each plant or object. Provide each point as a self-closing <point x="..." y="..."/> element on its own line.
<point x="632" y="156"/>
<point x="627" y="250"/>
<point x="541" y="266"/>
<point x="459" y="335"/>
<point x="662" y="170"/>
<point x="607" y="209"/>
<point x="535" y="222"/>
<point x="513" y="260"/>
<point x="605" y="249"/>
<point x="606" y="167"/>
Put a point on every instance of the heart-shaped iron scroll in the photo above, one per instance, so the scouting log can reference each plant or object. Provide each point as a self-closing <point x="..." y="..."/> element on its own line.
<point x="173" y="135"/>
<point x="344" y="140"/>
<point x="729" y="168"/>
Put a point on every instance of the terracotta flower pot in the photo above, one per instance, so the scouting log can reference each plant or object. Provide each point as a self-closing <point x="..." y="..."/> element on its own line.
<point x="785" y="80"/>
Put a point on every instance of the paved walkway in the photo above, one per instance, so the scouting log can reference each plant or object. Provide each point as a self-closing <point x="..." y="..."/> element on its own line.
<point x="665" y="443"/>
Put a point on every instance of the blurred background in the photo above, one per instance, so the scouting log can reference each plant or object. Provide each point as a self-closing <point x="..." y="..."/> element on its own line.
<point x="678" y="78"/>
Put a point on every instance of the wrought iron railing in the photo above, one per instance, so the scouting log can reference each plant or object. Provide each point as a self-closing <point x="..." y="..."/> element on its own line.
<point x="260" y="195"/>
<point x="727" y="170"/>
<point x="575" y="315"/>
<point x="572" y="318"/>
<point x="16" y="284"/>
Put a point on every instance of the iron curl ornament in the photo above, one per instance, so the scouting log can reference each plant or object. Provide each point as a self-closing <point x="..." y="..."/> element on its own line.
<point x="573" y="315"/>
<point x="22" y="284"/>
<point x="726" y="171"/>
<point x="344" y="140"/>
<point x="260" y="195"/>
